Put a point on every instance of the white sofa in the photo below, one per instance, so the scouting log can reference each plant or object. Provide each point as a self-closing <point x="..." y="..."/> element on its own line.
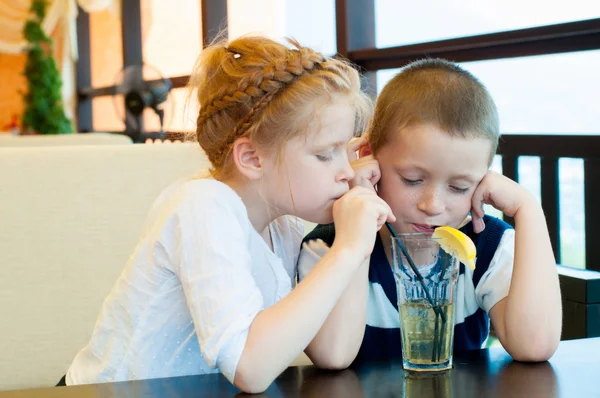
<point x="64" y="139"/>
<point x="69" y="219"/>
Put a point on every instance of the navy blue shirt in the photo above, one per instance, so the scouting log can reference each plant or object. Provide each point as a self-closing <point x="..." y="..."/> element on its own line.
<point x="382" y="334"/>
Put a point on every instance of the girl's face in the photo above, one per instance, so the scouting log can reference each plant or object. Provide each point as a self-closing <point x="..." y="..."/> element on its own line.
<point x="313" y="171"/>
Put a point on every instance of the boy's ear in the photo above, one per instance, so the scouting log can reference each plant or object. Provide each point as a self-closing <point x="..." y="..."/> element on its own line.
<point x="247" y="159"/>
<point x="365" y="150"/>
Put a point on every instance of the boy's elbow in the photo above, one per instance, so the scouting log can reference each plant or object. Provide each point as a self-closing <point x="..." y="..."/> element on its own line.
<point x="537" y="352"/>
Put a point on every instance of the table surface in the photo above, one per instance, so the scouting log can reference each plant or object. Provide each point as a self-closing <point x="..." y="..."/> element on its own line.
<point x="574" y="371"/>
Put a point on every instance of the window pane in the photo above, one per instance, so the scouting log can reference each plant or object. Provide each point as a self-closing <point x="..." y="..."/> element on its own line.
<point x="384" y="76"/>
<point x="171" y="35"/>
<point x="264" y="17"/>
<point x="13" y="82"/>
<point x="530" y="175"/>
<point x="180" y="114"/>
<point x="311" y="22"/>
<point x="407" y="22"/>
<point x="547" y="94"/>
<point x="572" y="216"/>
<point x="106" y="48"/>
<point x="105" y="116"/>
<point x="496" y="164"/>
<point x="497" y="167"/>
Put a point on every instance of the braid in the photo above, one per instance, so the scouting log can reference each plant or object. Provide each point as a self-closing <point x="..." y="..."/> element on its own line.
<point x="263" y="84"/>
<point x="244" y="124"/>
<point x="258" y="88"/>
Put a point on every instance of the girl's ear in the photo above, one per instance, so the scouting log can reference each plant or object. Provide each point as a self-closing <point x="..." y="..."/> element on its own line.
<point x="247" y="159"/>
<point x="365" y="150"/>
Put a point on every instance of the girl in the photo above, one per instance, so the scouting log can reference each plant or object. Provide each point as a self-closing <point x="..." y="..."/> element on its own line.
<point x="209" y="286"/>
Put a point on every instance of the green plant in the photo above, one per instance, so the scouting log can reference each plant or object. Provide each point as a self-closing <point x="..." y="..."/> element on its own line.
<point x="44" y="112"/>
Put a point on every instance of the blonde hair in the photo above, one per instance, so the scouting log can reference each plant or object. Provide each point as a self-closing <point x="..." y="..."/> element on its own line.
<point x="439" y="92"/>
<point x="258" y="88"/>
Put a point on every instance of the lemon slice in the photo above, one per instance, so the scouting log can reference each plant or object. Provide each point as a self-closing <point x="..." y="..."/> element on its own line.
<point x="455" y="242"/>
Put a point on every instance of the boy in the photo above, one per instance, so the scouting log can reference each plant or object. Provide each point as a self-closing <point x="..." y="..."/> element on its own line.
<point x="434" y="135"/>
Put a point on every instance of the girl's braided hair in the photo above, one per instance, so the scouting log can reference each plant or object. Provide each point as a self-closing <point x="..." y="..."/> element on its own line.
<point x="267" y="91"/>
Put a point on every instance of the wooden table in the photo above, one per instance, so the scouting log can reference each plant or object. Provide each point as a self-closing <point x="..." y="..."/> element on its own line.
<point x="574" y="371"/>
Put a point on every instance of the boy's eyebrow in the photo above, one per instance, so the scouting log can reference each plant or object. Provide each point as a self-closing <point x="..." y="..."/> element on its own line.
<point x="467" y="177"/>
<point x="460" y="177"/>
<point x="330" y="145"/>
<point x="411" y="168"/>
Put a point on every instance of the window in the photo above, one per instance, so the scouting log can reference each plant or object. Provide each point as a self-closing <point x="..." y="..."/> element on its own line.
<point x="536" y="94"/>
<point x="408" y="22"/>
<point x="572" y="216"/>
<point x="180" y="114"/>
<point x="310" y="22"/>
<point x="171" y="43"/>
<point x="257" y="17"/>
<point x="171" y="35"/>
<point x="106" y="117"/>
<point x="106" y="47"/>
<point x="497" y="167"/>
<point x="529" y="169"/>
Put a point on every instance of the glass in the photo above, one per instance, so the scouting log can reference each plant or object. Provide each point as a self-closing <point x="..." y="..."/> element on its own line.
<point x="13" y="81"/>
<point x="104" y="115"/>
<point x="287" y="18"/>
<point x="427" y="385"/>
<point x="180" y="113"/>
<point x="314" y="29"/>
<point x="408" y="22"/>
<point x="497" y="167"/>
<point x="171" y="35"/>
<point x="572" y="212"/>
<point x="265" y="17"/>
<point x="425" y="301"/>
<point x="106" y="47"/>
<point x="526" y="103"/>
<point x="530" y="175"/>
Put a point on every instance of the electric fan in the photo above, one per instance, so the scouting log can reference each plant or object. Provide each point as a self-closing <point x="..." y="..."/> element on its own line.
<point x="141" y="87"/>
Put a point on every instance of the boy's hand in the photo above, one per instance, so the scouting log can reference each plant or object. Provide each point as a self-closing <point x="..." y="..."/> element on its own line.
<point x="502" y="193"/>
<point x="366" y="167"/>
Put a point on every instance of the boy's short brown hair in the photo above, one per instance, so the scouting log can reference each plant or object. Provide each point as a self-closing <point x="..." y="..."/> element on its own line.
<point x="435" y="91"/>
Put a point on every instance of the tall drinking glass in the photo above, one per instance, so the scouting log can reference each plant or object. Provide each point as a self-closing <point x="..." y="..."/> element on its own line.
<point x="426" y="301"/>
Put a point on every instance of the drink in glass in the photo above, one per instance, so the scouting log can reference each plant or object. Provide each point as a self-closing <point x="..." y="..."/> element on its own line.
<point x="425" y="301"/>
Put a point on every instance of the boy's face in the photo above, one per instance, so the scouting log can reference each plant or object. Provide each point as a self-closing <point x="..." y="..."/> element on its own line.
<point x="428" y="177"/>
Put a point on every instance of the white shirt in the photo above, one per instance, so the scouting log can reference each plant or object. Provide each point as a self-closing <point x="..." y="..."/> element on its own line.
<point x="188" y="295"/>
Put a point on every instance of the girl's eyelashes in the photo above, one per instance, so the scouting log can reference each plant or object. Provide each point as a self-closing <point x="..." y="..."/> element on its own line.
<point x="324" y="158"/>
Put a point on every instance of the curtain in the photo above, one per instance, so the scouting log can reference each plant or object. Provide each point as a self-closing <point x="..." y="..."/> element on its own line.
<point x="61" y="16"/>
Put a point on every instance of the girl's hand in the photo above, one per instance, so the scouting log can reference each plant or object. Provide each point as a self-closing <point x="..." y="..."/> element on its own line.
<point x="358" y="215"/>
